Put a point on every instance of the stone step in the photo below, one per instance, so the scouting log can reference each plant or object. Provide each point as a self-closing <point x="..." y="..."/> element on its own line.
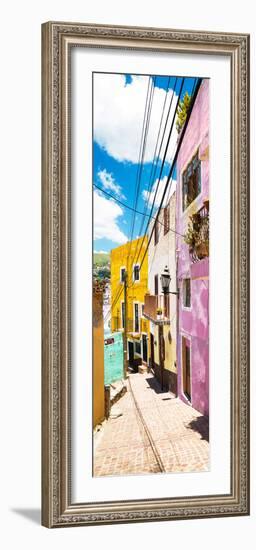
<point x="142" y="369"/>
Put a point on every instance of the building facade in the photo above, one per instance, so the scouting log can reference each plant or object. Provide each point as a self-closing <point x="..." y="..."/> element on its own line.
<point x="126" y="261"/>
<point x="192" y="253"/>
<point x="98" y="356"/>
<point x="159" y="309"/>
<point x="113" y="357"/>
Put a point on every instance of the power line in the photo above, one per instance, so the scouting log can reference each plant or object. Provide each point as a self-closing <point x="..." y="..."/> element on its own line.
<point x="157" y="186"/>
<point x="116" y="299"/>
<point x="161" y="170"/>
<point x="193" y="98"/>
<point x="156" y="157"/>
<point x="167" y="183"/>
<point x="131" y="208"/>
<point x="141" y="152"/>
<point x="142" y="144"/>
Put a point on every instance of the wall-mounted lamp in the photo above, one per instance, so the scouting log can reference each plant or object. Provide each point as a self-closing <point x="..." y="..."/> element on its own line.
<point x="165" y="282"/>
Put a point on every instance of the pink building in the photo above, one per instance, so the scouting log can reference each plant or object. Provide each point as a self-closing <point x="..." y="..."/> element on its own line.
<point x="192" y="220"/>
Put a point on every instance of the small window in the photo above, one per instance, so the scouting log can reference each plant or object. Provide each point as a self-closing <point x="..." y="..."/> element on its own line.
<point x="166" y="219"/>
<point x="186" y="292"/>
<point x="136" y="272"/>
<point x="156" y="285"/>
<point x="137" y="347"/>
<point x="191" y="182"/>
<point x="136" y="318"/>
<point x="122" y="274"/>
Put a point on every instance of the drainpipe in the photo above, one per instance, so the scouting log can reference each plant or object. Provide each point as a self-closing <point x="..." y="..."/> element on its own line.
<point x="161" y="353"/>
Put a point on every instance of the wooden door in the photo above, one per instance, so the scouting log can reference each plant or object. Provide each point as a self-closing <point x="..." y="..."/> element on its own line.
<point x="152" y="350"/>
<point x="131" y="353"/>
<point x="186" y="357"/>
<point x="144" y="348"/>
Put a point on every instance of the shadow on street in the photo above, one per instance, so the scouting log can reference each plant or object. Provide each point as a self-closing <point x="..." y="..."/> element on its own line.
<point x="154" y="385"/>
<point x="200" y="425"/>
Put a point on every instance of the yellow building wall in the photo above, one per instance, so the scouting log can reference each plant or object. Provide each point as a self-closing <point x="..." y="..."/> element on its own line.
<point x="98" y="359"/>
<point x="170" y="348"/>
<point x="124" y="257"/>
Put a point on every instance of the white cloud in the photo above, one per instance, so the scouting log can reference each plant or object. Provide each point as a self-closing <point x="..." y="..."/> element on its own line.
<point x="118" y="117"/>
<point x="150" y="196"/>
<point x="108" y="182"/>
<point x="100" y="252"/>
<point x="106" y="213"/>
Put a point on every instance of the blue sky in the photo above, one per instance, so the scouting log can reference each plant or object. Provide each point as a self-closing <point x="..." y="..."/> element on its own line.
<point x="119" y="107"/>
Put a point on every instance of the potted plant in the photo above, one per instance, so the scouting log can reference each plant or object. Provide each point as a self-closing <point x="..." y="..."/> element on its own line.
<point x="202" y="242"/>
<point x="197" y="236"/>
<point x="159" y="313"/>
<point x="191" y="234"/>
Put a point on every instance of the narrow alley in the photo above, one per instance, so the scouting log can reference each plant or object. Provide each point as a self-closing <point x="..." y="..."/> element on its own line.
<point x="151" y="431"/>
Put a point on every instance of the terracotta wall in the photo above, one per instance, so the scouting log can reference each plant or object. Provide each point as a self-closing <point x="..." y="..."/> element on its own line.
<point x="98" y="358"/>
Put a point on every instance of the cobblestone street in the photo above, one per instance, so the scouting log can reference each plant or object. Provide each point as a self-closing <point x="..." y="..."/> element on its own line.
<point x="151" y="431"/>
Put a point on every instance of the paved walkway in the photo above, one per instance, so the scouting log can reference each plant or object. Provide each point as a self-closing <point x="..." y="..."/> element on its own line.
<point x="160" y="434"/>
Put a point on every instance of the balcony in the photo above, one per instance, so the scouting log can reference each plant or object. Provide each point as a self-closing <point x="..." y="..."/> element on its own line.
<point x="152" y="306"/>
<point x="197" y="236"/>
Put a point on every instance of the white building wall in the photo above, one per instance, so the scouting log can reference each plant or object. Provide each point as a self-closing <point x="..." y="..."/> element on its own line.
<point x="160" y="255"/>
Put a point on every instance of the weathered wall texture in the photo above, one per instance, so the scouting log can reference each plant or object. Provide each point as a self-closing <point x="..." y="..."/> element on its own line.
<point x="194" y="321"/>
<point x="160" y="255"/>
<point x="125" y="256"/>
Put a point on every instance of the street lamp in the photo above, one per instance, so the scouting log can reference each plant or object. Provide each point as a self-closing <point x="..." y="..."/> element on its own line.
<point x="165" y="278"/>
<point x="165" y="282"/>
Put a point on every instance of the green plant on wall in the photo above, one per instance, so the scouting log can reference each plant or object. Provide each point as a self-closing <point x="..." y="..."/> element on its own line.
<point x="182" y="112"/>
<point x="197" y="234"/>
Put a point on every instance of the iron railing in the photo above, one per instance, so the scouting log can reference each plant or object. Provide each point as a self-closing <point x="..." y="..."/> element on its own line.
<point x="200" y="224"/>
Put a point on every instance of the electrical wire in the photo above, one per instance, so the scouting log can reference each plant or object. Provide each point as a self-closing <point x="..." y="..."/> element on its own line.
<point x="162" y="166"/>
<point x="156" y="158"/>
<point x="131" y="208"/>
<point x="142" y="146"/>
<point x="147" y="110"/>
<point x="199" y="80"/>
<point x="119" y="292"/>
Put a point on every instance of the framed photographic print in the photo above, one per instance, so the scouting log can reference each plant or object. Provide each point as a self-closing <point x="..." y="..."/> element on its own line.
<point x="145" y="274"/>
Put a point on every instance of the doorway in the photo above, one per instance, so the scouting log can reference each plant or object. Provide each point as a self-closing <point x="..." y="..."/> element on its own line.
<point x="131" y="353"/>
<point x="186" y="360"/>
<point x="144" y="348"/>
<point x="152" y="351"/>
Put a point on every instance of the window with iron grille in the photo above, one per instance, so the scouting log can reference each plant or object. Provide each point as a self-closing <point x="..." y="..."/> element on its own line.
<point x="156" y="285"/>
<point x="166" y="219"/>
<point x="137" y="348"/>
<point x="191" y="182"/>
<point x="186" y="292"/>
<point x="122" y="274"/>
<point x="136" y="318"/>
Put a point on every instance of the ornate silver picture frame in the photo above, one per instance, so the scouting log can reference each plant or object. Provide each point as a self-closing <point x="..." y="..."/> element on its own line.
<point x="58" y="40"/>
